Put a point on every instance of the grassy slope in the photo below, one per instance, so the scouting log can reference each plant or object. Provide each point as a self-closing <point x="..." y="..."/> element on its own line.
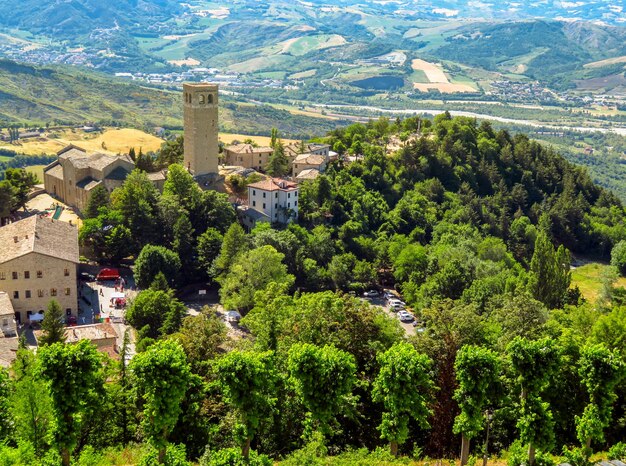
<point x="589" y="279"/>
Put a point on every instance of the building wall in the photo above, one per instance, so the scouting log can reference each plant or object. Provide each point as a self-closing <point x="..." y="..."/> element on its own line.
<point x="298" y="167"/>
<point x="254" y="160"/>
<point x="274" y="204"/>
<point x="53" y="277"/>
<point x="201" y="128"/>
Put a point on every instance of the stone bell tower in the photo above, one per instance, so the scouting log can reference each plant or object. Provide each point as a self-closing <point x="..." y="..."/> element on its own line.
<point x="201" y="128"/>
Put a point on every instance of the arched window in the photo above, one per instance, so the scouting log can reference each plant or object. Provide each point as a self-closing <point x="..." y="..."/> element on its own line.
<point x="210" y="98"/>
<point x="202" y="99"/>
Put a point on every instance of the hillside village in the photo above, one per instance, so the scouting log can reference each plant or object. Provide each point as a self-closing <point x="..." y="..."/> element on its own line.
<point x="387" y="290"/>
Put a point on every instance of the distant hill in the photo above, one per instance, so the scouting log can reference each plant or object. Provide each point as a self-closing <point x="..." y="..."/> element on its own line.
<point x="543" y="50"/>
<point x="66" y="95"/>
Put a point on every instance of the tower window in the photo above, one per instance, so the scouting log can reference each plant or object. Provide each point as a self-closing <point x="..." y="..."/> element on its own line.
<point x="202" y="99"/>
<point x="210" y="99"/>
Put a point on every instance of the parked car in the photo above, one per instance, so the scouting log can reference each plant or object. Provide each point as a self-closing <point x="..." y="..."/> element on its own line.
<point x="395" y="307"/>
<point x="233" y="316"/>
<point x="396" y="302"/>
<point x="370" y="294"/>
<point x="405" y="316"/>
<point x="87" y="277"/>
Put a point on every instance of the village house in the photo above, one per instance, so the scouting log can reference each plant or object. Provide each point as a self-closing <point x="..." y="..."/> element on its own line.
<point x="295" y="148"/>
<point x="273" y="198"/>
<point x="102" y="335"/>
<point x="308" y="161"/>
<point x="75" y="173"/>
<point x="7" y="317"/>
<point x="247" y="156"/>
<point x="38" y="262"/>
<point x="308" y="174"/>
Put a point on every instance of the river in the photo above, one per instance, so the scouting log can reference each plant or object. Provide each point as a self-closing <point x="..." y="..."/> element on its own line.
<point x="536" y="124"/>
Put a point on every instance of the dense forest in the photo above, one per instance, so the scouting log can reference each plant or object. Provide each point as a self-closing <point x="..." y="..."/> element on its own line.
<point x="473" y="227"/>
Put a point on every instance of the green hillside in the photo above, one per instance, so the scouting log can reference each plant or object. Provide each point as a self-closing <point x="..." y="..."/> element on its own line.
<point x="63" y="95"/>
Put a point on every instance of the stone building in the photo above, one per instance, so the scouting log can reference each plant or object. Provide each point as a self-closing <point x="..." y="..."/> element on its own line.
<point x="295" y="148"/>
<point x="75" y="173"/>
<point x="201" y="128"/>
<point x="38" y="261"/>
<point x="308" y="161"/>
<point x="247" y="156"/>
<point x="7" y="317"/>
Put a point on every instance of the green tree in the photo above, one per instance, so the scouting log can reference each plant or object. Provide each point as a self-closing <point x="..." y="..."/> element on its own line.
<point x="403" y="385"/>
<point x="533" y="363"/>
<point x="75" y="379"/>
<point x="253" y="271"/>
<point x="323" y="378"/>
<point x="184" y="247"/>
<point x="601" y="371"/>
<point x="208" y="249"/>
<point x="98" y="197"/>
<point x="52" y="325"/>
<point x="137" y="201"/>
<point x="22" y="182"/>
<point x="154" y="259"/>
<point x="170" y="152"/>
<point x="234" y="244"/>
<point x="31" y="405"/>
<point x="5" y="413"/>
<point x="247" y="380"/>
<point x="477" y="371"/>
<point x="7" y="199"/>
<point x="161" y="376"/>
<point x="278" y="164"/>
<point x="550" y="272"/>
<point x="618" y="257"/>
<point x="155" y="312"/>
<point x="273" y="138"/>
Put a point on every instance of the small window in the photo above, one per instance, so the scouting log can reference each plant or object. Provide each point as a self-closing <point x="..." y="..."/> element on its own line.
<point x="53" y="291"/>
<point x="210" y="99"/>
<point x="253" y="203"/>
<point x="202" y="99"/>
<point x="27" y="294"/>
<point x="40" y="293"/>
<point x="39" y="274"/>
<point x="275" y="206"/>
<point x="68" y="312"/>
<point x="253" y="192"/>
<point x="295" y="203"/>
<point x="66" y="272"/>
<point x="14" y="275"/>
<point x="67" y="291"/>
<point x="288" y="204"/>
<point x="288" y="195"/>
<point x="276" y="195"/>
<point x="3" y="276"/>
<point x="296" y="194"/>
<point x="26" y="274"/>
<point x="16" y="295"/>
<point x="264" y="195"/>
<point x="5" y="322"/>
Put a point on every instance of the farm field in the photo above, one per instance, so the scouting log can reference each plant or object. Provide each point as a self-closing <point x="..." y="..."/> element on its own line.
<point x="588" y="278"/>
<point x="436" y="79"/>
<point x="114" y="140"/>
<point x="607" y="62"/>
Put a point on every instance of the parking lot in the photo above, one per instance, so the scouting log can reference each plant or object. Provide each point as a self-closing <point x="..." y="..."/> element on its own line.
<point x="382" y="302"/>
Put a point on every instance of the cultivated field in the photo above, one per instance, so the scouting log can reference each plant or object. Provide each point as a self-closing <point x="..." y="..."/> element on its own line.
<point x="186" y="62"/>
<point x="303" y="74"/>
<point x="437" y="79"/>
<point x="607" y="62"/>
<point x="111" y="141"/>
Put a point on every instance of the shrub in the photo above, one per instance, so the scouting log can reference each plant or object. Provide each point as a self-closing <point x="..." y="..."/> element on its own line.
<point x="174" y="456"/>
<point x="618" y="452"/>
<point x="618" y="257"/>
<point x="518" y="456"/>
<point x="233" y="457"/>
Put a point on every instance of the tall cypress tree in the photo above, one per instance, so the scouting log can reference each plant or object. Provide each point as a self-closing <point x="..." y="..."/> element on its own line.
<point x="52" y="325"/>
